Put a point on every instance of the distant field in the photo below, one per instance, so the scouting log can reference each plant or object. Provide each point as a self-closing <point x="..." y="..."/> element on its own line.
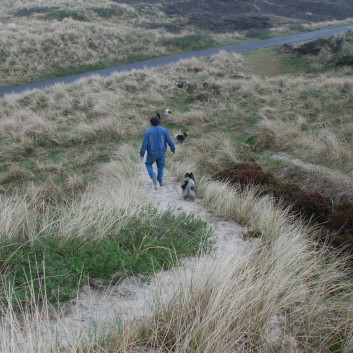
<point x="41" y="40"/>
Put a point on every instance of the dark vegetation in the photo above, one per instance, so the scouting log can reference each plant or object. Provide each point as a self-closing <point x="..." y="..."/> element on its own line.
<point x="334" y="220"/>
<point x="57" y="13"/>
<point x="339" y="48"/>
<point x="56" y="268"/>
<point x="314" y="47"/>
<point x="227" y="16"/>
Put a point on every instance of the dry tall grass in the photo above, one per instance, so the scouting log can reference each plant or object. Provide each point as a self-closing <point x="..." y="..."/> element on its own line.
<point x="283" y="298"/>
<point x="307" y="117"/>
<point x="44" y="329"/>
<point x="111" y="201"/>
<point x="287" y="296"/>
<point x="107" y="204"/>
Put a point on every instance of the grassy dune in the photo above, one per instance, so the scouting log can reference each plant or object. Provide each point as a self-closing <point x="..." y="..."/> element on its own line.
<point x="46" y="39"/>
<point x="58" y="155"/>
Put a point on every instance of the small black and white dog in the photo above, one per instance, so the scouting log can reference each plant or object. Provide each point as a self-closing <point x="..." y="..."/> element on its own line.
<point x="167" y="112"/>
<point x="189" y="187"/>
<point x="180" y="138"/>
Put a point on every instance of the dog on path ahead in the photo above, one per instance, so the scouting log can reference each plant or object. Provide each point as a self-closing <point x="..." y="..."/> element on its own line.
<point x="180" y="138"/>
<point x="189" y="187"/>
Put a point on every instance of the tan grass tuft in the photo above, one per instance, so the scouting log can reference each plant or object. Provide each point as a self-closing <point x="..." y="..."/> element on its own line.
<point x="250" y="304"/>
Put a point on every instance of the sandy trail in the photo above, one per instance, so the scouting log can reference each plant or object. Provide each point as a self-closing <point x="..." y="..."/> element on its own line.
<point x="97" y="310"/>
<point x="331" y="173"/>
<point x="227" y="234"/>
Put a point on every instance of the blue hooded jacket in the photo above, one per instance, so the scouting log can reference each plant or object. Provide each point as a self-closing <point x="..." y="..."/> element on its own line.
<point x="155" y="141"/>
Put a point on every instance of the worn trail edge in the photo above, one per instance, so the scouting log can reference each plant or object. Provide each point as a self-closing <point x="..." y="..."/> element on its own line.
<point x="133" y="298"/>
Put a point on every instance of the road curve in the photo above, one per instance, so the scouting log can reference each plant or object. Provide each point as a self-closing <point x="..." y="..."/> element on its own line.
<point x="165" y="60"/>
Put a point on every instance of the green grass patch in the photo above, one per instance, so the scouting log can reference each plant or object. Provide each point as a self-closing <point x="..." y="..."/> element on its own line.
<point x="61" y="14"/>
<point x="108" y="12"/>
<point x="271" y="62"/>
<point x="188" y="42"/>
<point x="149" y="242"/>
<point x="29" y="11"/>
<point x="258" y="33"/>
<point x="60" y="71"/>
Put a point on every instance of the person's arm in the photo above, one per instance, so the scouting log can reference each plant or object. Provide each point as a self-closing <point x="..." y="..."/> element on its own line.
<point x="144" y="145"/>
<point x="170" y="141"/>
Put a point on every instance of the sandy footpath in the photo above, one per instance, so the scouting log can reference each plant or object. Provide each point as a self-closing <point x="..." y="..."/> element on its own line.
<point x="94" y="308"/>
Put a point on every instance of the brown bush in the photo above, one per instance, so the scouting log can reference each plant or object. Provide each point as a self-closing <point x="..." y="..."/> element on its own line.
<point x="244" y="174"/>
<point x="310" y="205"/>
<point x="341" y="219"/>
<point x="343" y="241"/>
<point x="336" y="227"/>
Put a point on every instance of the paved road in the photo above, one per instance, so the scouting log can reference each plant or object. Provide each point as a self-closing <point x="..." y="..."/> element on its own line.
<point x="165" y="60"/>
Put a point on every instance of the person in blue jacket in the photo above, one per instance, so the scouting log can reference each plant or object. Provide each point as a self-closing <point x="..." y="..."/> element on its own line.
<point x="155" y="142"/>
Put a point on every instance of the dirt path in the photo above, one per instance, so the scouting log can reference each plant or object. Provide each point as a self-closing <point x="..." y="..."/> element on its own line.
<point x="227" y="234"/>
<point x="97" y="309"/>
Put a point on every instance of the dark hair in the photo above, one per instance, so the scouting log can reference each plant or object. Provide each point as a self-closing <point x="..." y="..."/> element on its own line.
<point x="155" y="120"/>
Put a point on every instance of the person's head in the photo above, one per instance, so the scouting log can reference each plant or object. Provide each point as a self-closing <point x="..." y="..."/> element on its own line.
<point x="155" y="120"/>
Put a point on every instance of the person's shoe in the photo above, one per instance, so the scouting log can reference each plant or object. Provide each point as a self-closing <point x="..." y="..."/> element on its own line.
<point x="154" y="181"/>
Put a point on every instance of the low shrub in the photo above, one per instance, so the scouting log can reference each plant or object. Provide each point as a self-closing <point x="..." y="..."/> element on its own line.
<point x="310" y="205"/>
<point x="341" y="218"/>
<point x="244" y="174"/>
<point x="335" y="221"/>
<point x="340" y="223"/>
